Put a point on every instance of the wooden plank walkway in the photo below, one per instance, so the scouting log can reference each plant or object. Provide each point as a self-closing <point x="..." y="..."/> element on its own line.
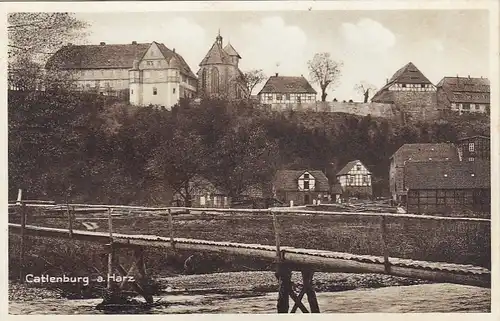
<point x="318" y="260"/>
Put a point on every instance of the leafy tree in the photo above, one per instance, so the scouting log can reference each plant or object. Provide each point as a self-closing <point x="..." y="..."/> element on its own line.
<point x="324" y="71"/>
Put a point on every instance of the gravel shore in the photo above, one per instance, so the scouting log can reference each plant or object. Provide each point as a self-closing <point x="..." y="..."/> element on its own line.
<point x="265" y="281"/>
<point x="256" y="281"/>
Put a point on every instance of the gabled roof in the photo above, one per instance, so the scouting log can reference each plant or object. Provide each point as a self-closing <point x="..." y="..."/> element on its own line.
<point x="97" y="56"/>
<point x="465" y="84"/>
<point x="448" y="175"/>
<point x="113" y="56"/>
<point x="229" y="49"/>
<point x="349" y="166"/>
<point x="466" y="90"/>
<point x="473" y="136"/>
<point x="286" y="84"/>
<point x="169" y="54"/>
<point x="408" y="74"/>
<point x="422" y="152"/>
<point x="288" y="180"/>
<point x="216" y="55"/>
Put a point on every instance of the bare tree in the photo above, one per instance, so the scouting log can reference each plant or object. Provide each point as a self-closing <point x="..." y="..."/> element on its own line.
<point x="252" y="78"/>
<point x="41" y="33"/>
<point x="365" y="88"/>
<point x="32" y="39"/>
<point x="324" y="71"/>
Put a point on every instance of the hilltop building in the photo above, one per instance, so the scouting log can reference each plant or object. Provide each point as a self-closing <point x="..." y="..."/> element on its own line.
<point x="149" y="73"/>
<point x="287" y="90"/>
<point x="219" y="74"/>
<point x="464" y="94"/>
<point x="411" y="93"/>
<point x="408" y="79"/>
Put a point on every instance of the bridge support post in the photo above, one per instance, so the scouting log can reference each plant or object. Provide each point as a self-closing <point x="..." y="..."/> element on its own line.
<point x="284" y="276"/>
<point x="308" y="289"/>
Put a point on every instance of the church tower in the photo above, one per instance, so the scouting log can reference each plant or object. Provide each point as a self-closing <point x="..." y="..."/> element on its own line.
<point x="219" y="75"/>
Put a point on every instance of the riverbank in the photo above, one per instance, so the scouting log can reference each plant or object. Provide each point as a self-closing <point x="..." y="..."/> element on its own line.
<point x="254" y="292"/>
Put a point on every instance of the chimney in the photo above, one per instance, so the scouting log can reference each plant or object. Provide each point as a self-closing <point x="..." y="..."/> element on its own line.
<point x="173" y="50"/>
<point x="468" y="76"/>
<point x="386" y="80"/>
<point x="134" y="42"/>
<point x="276" y="74"/>
<point x="102" y="43"/>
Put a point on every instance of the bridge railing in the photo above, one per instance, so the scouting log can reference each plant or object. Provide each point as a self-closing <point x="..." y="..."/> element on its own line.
<point x="274" y="214"/>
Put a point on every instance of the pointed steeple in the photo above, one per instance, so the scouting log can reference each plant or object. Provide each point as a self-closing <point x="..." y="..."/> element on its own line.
<point x="218" y="39"/>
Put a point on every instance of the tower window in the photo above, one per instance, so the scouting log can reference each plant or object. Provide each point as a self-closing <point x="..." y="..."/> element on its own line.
<point x="131" y="91"/>
<point x="155" y="91"/>
<point x="173" y="91"/>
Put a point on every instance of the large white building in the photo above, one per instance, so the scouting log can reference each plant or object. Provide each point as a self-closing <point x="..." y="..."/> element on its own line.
<point x="149" y="73"/>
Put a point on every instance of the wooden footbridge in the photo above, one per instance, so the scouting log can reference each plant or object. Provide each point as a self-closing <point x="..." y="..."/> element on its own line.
<point x="287" y="259"/>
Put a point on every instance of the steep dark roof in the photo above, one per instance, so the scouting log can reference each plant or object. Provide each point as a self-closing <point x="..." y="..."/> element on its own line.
<point x="448" y="175"/>
<point x="216" y="55"/>
<point x="97" y="56"/>
<point x="229" y="49"/>
<point x="408" y="74"/>
<point x="349" y="166"/>
<point x="169" y="54"/>
<point x="466" y="90"/>
<point x="109" y="56"/>
<point x="473" y="136"/>
<point x="422" y="152"/>
<point x="286" y="84"/>
<point x="287" y="180"/>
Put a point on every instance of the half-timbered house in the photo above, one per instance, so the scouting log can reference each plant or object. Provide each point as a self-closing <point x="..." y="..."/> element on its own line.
<point x="409" y="153"/>
<point x="473" y="148"/>
<point x="301" y="187"/>
<point x="449" y="188"/>
<point x="355" y="180"/>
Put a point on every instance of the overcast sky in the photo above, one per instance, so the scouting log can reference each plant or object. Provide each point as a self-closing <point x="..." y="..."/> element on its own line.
<point x="371" y="44"/>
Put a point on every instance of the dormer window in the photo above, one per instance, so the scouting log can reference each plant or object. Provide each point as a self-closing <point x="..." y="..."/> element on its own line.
<point x="306" y="176"/>
<point x="306" y="185"/>
<point x="358" y="167"/>
<point x="149" y="63"/>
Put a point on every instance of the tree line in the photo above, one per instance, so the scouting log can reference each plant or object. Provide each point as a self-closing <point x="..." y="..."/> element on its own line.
<point x="91" y="148"/>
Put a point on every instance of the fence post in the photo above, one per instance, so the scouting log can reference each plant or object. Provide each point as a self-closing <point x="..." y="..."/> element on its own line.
<point x="385" y="248"/>
<point x="111" y="251"/>
<point x="70" y="220"/>
<point x="276" y="227"/>
<point x="171" y="227"/>
<point x="21" y="252"/>
<point x="19" y="196"/>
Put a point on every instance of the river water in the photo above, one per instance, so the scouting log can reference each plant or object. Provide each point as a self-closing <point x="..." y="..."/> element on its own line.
<point x="398" y="299"/>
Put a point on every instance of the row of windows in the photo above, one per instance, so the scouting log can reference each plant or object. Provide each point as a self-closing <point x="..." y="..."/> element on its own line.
<point x="103" y="73"/>
<point x="358" y="180"/>
<point x="468" y="106"/>
<point x="155" y="91"/>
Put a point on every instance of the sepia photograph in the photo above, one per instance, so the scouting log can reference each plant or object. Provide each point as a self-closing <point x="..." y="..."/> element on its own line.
<point x="310" y="158"/>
